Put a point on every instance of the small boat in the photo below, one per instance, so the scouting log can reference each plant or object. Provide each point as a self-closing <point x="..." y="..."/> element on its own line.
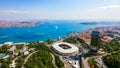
<point x="56" y="27"/>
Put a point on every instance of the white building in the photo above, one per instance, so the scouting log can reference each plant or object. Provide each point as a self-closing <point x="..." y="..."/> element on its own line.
<point x="26" y="52"/>
<point x="22" y="43"/>
<point x="13" y="48"/>
<point x="64" y="48"/>
<point x="8" y="43"/>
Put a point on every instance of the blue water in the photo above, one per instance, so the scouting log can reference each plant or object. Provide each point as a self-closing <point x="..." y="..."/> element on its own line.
<point x="51" y="30"/>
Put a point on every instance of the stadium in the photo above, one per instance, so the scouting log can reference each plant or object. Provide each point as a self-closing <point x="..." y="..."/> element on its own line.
<point x="64" y="48"/>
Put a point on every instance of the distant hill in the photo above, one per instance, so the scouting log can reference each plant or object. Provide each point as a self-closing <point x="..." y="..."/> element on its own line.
<point x="88" y="23"/>
<point x="8" y="24"/>
<point x="99" y="23"/>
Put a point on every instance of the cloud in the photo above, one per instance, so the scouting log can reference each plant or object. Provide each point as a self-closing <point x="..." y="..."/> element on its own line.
<point x="12" y="12"/>
<point x="104" y="12"/>
<point x="110" y="7"/>
<point x="110" y="12"/>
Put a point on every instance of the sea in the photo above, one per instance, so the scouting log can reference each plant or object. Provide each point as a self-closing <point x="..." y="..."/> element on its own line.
<point x="50" y="30"/>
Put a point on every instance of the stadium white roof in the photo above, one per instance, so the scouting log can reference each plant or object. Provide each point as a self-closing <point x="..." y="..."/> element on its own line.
<point x="61" y="50"/>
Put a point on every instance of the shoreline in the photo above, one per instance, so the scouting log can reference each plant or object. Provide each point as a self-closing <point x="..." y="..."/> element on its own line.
<point x="86" y="34"/>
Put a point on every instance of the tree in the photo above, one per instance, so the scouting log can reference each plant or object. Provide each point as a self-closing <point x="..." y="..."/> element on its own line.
<point x="5" y="65"/>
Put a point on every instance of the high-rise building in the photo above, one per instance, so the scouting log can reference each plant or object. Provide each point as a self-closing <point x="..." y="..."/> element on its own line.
<point x="95" y="38"/>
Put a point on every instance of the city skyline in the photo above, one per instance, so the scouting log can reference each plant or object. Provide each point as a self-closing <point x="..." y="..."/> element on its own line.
<point x="60" y="9"/>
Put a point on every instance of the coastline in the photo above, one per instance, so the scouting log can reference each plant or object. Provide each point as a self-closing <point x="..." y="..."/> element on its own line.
<point x="85" y="35"/>
<point x="104" y="30"/>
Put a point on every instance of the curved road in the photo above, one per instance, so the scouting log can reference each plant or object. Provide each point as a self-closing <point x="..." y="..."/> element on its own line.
<point x="53" y="61"/>
<point x="26" y="59"/>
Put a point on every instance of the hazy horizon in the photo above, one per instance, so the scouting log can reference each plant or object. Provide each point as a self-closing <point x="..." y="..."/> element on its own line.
<point x="89" y="10"/>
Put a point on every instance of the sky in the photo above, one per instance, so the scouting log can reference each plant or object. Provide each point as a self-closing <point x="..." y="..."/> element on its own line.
<point x="60" y="9"/>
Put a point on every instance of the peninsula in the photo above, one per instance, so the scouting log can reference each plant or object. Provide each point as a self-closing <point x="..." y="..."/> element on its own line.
<point x="8" y="24"/>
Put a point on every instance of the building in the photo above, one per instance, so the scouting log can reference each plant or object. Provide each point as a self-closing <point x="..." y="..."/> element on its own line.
<point x="31" y="49"/>
<point x="101" y="51"/>
<point x="95" y="38"/>
<point x="12" y="49"/>
<point x="25" y="48"/>
<point x="26" y="52"/>
<point x="106" y="39"/>
<point x="22" y="43"/>
<point x="8" y="43"/>
<point x="1" y="45"/>
<point x="64" y="48"/>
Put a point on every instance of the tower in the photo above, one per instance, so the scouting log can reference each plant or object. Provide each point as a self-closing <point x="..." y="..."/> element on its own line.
<point x="95" y="38"/>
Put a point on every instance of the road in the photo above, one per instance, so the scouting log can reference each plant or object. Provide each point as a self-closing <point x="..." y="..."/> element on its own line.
<point x="26" y="59"/>
<point x="53" y="61"/>
<point x="13" y="62"/>
<point x="83" y="61"/>
<point x="99" y="59"/>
